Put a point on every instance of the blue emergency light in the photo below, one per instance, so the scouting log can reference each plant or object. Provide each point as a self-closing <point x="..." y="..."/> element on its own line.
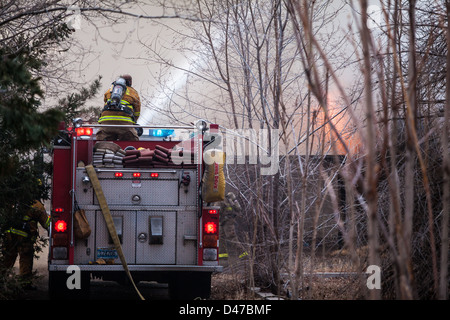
<point x="160" y="132"/>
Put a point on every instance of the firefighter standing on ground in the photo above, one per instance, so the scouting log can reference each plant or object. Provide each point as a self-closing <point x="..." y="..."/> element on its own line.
<point x="20" y="241"/>
<point x="130" y="105"/>
<point x="233" y="248"/>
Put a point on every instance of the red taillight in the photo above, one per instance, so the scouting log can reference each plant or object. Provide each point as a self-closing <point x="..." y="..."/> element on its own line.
<point x="212" y="211"/>
<point x="154" y="175"/>
<point x="210" y="227"/>
<point x="81" y="131"/>
<point x="118" y="174"/>
<point x="60" y="226"/>
<point x="59" y="210"/>
<point x="136" y="174"/>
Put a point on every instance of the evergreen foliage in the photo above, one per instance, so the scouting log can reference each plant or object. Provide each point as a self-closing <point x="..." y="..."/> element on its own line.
<point x="25" y="130"/>
<point x="72" y="104"/>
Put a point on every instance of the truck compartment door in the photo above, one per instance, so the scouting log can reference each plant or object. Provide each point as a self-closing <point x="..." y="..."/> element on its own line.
<point x="187" y="237"/>
<point x="155" y="237"/>
<point x="125" y="222"/>
<point x="85" y="249"/>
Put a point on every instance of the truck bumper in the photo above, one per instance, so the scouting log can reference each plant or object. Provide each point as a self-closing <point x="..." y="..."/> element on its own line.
<point x="139" y="268"/>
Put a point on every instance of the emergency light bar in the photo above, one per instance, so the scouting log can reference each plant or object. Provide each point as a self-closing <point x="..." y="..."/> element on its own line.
<point x="161" y="133"/>
<point x="84" y="131"/>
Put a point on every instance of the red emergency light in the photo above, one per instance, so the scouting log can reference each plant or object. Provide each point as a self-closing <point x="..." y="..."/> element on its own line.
<point x="83" y="131"/>
<point x="59" y="210"/>
<point x="118" y="174"/>
<point x="154" y="175"/>
<point x="210" y="227"/>
<point x="136" y="174"/>
<point x="212" y="211"/>
<point x="60" y="226"/>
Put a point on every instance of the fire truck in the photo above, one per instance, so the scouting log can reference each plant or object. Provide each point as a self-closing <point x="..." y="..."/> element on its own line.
<point x="167" y="232"/>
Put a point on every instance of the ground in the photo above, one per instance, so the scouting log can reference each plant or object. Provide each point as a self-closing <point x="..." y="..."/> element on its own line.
<point x="325" y="285"/>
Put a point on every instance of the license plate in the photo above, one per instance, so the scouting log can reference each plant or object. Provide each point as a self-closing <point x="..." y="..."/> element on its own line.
<point x="107" y="253"/>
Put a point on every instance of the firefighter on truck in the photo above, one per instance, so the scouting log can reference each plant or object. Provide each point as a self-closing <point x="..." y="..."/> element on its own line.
<point x="122" y="107"/>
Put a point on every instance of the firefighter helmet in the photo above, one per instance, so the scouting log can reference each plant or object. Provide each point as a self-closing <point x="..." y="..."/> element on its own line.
<point x="128" y="79"/>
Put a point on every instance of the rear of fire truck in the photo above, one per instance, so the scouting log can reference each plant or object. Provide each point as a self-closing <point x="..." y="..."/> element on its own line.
<point x="167" y="232"/>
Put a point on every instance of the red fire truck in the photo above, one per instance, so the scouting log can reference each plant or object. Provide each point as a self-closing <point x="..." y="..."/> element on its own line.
<point x="167" y="232"/>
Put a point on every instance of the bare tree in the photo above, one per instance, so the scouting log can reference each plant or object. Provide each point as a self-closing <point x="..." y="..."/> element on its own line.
<point x="443" y="283"/>
<point x="271" y="66"/>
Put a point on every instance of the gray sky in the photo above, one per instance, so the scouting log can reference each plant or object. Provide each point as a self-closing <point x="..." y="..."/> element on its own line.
<point x="117" y="49"/>
<point x="114" y="49"/>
